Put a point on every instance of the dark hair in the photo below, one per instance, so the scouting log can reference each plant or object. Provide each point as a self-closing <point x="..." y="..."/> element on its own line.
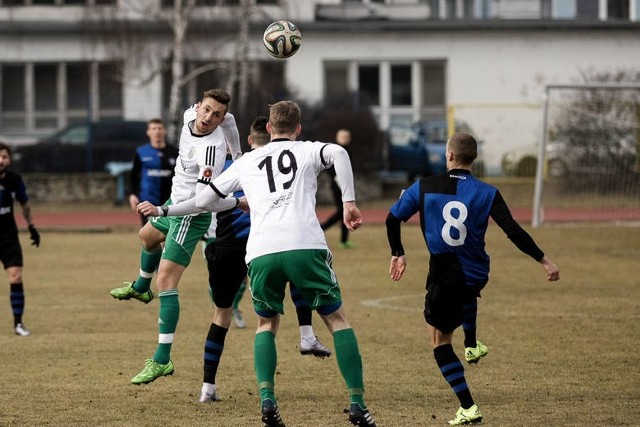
<point x="155" y="121"/>
<point x="259" y="134"/>
<point x="220" y="95"/>
<point x="464" y="147"/>
<point x="6" y="148"/>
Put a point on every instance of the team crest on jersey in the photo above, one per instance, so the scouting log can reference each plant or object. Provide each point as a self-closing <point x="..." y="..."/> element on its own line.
<point x="207" y="173"/>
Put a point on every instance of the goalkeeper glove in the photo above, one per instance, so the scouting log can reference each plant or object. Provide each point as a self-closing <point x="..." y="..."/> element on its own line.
<point x="35" y="236"/>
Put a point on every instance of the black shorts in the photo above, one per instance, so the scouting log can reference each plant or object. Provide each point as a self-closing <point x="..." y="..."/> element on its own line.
<point x="10" y="251"/>
<point x="227" y="270"/>
<point x="444" y="301"/>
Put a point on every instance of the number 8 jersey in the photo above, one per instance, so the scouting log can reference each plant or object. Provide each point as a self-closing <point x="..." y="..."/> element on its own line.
<point x="454" y="214"/>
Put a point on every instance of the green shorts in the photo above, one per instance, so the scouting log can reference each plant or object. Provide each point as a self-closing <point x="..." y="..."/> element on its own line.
<point x="309" y="269"/>
<point x="183" y="234"/>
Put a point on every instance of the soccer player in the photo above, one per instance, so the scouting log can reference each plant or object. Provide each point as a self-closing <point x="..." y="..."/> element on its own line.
<point x="225" y="254"/>
<point x="343" y="137"/>
<point x="286" y="244"/>
<point x="455" y="208"/>
<point x="153" y="168"/>
<point x="12" y="188"/>
<point x="207" y="129"/>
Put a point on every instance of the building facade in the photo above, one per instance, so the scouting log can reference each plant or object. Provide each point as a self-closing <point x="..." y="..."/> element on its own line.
<point x="483" y="62"/>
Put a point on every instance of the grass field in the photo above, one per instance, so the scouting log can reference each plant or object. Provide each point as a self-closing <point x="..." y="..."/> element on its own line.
<point x="560" y="354"/>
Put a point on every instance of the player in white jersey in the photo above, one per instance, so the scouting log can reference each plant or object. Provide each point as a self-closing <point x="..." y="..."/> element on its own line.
<point x="202" y="153"/>
<point x="286" y="244"/>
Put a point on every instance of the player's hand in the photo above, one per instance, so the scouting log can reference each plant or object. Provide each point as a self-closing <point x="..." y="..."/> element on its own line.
<point x="133" y="201"/>
<point x="243" y="204"/>
<point x="396" y="267"/>
<point x="553" y="272"/>
<point x="35" y="236"/>
<point x="352" y="217"/>
<point x="147" y="209"/>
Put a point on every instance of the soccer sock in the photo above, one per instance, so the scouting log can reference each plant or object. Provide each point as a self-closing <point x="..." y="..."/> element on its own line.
<point x="453" y="372"/>
<point x="149" y="261"/>
<point x="469" y="316"/>
<point x="350" y="364"/>
<point x="213" y="348"/>
<point x="303" y="311"/>
<point x="239" y="294"/>
<point x="17" y="302"/>
<point x="167" y="323"/>
<point x="265" y="361"/>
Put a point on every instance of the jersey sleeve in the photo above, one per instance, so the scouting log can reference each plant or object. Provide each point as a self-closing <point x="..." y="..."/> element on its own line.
<point x="21" y="194"/>
<point x="408" y="203"/>
<point x="336" y="156"/>
<point x="231" y="135"/>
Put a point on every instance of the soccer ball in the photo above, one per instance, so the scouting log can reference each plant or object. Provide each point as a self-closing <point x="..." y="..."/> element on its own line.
<point x="282" y="39"/>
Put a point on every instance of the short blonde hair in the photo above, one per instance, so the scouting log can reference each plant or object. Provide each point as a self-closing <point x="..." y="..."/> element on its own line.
<point x="464" y="147"/>
<point x="284" y="117"/>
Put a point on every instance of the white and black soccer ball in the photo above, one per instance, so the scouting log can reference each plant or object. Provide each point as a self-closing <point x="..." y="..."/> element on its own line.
<point x="282" y="39"/>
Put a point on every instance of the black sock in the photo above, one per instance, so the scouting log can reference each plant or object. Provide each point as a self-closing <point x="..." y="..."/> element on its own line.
<point x="453" y="372"/>
<point x="17" y="302"/>
<point x="303" y="311"/>
<point x="213" y="348"/>
<point x="469" y="326"/>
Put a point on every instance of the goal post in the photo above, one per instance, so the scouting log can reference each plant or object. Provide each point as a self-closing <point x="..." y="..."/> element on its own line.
<point x="588" y="163"/>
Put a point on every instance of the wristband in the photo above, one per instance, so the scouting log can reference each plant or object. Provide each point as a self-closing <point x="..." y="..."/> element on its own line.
<point x="164" y="209"/>
<point x="397" y="253"/>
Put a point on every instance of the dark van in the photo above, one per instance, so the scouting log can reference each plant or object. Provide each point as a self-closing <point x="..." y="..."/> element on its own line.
<point x="82" y="147"/>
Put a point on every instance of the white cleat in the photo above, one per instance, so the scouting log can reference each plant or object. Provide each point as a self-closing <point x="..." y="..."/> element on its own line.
<point x="20" y="330"/>
<point x="314" y="347"/>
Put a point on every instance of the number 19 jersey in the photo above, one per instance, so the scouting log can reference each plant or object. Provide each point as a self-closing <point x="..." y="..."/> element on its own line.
<point x="280" y="183"/>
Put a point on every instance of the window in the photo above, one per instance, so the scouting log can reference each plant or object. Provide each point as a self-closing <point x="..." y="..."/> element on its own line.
<point x="369" y="84"/>
<point x="335" y="80"/>
<point x="46" y="95"/>
<point x="58" y="94"/>
<point x="13" y="97"/>
<point x="401" y="84"/>
<point x="433" y="84"/>
<point x="587" y="9"/>
<point x="618" y="10"/>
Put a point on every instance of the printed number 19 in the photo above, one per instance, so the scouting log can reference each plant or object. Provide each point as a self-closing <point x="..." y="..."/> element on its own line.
<point x="290" y="168"/>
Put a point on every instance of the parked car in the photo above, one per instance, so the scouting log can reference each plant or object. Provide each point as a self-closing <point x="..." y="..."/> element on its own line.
<point x="563" y="159"/>
<point x="82" y="147"/>
<point x="419" y="149"/>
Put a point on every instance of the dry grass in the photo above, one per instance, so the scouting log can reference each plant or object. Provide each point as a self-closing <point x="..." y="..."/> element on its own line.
<point x="560" y="354"/>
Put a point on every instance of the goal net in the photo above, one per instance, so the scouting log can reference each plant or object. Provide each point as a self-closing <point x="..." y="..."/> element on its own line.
<point x="588" y="165"/>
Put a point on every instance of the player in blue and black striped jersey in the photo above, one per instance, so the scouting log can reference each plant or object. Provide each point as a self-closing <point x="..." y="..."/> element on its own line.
<point x="153" y="166"/>
<point x="12" y="188"/>
<point x="454" y="209"/>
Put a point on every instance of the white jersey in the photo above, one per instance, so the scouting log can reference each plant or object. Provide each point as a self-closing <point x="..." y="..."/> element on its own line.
<point x="200" y="158"/>
<point x="280" y="183"/>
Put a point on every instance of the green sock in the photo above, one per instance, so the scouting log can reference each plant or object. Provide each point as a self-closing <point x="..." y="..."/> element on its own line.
<point x="167" y="323"/>
<point x="149" y="261"/>
<point x="238" y="297"/>
<point x="265" y="361"/>
<point x="350" y="363"/>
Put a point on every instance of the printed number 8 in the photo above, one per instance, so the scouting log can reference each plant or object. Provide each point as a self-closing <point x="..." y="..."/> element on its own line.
<point x="457" y="223"/>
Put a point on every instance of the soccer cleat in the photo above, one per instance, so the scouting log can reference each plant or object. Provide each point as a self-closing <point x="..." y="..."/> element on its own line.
<point x="474" y="354"/>
<point x="313" y="347"/>
<point x="466" y="416"/>
<point x="360" y="417"/>
<point x="206" y="397"/>
<point x="347" y="245"/>
<point x="270" y="414"/>
<point x="152" y="370"/>
<point x="238" y="319"/>
<point x="20" y="330"/>
<point x="127" y="292"/>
